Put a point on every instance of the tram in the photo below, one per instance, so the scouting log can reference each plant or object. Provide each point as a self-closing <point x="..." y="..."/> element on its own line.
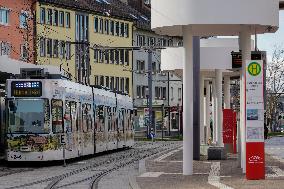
<point x="46" y="118"/>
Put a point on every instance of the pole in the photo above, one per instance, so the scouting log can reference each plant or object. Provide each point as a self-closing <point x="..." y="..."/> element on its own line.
<point x="245" y="46"/>
<point x="150" y="79"/>
<point x="201" y="88"/>
<point x="219" y="115"/>
<point x="208" y="130"/>
<point x="196" y="98"/>
<point x="188" y="102"/>
<point x="64" y="158"/>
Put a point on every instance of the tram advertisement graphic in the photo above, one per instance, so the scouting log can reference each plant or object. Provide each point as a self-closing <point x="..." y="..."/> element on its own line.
<point x="254" y="119"/>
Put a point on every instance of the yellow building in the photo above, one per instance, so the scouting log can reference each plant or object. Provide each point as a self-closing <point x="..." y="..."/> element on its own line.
<point x="55" y="34"/>
<point x="66" y="38"/>
<point x="111" y="68"/>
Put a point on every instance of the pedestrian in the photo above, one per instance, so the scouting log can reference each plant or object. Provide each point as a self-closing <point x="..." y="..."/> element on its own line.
<point x="152" y="134"/>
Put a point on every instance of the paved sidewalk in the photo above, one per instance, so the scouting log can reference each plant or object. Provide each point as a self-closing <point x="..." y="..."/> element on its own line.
<point x="166" y="173"/>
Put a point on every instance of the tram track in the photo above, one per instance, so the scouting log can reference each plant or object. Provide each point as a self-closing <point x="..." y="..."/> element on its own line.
<point x="134" y="157"/>
<point x="103" y="166"/>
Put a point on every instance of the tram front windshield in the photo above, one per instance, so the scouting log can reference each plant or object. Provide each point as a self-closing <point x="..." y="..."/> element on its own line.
<point x="27" y="116"/>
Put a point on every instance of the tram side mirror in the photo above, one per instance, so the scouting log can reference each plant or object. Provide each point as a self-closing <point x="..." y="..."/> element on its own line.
<point x="12" y="107"/>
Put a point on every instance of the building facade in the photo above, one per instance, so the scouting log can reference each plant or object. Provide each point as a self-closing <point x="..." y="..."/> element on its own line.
<point x="16" y="29"/>
<point x="73" y="36"/>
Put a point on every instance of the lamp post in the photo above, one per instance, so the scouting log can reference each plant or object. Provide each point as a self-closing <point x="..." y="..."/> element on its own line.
<point x="148" y="122"/>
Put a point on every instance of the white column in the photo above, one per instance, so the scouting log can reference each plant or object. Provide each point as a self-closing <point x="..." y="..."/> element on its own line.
<point x="202" y="135"/>
<point x="245" y="46"/>
<point x="214" y="109"/>
<point x="208" y="131"/>
<point x="227" y="93"/>
<point x="188" y="102"/>
<point x="219" y="110"/>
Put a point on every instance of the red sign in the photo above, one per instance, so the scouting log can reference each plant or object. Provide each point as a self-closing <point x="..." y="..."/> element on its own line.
<point x="255" y="161"/>
<point x="228" y="126"/>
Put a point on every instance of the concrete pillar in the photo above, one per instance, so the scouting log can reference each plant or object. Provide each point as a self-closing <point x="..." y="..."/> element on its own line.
<point x="227" y="93"/>
<point x="219" y="110"/>
<point x="207" y="109"/>
<point x="245" y="47"/>
<point x="214" y="109"/>
<point x="188" y="102"/>
<point x="202" y="133"/>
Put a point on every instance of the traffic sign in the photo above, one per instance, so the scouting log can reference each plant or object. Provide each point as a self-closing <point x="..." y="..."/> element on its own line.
<point x="62" y="139"/>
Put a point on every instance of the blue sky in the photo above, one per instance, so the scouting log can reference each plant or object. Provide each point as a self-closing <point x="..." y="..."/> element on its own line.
<point x="267" y="42"/>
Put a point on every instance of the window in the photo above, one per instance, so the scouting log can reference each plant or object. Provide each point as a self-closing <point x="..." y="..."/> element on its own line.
<point x="96" y="56"/>
<point x="57" y="116"/>
<point x="154" y="68"/>
<point x="96" y="24"/>
<point x="140" y="66"/>
<point x="126" y="57"/>
<point x="140" y="40"/>
<point x="170" y="43"/>
<point x="106" y="26"/>
<point x="112" y="83"/>
<point x="107" y="81"/>
<point x="157" y="93"/>
<point x="117" y="56"/>
<point x="144" y="95"/>
<point x="112" y="27"/>
<point x="151" y="41"/>
<point x="96" y="80"/>
<point x="62" y="49"/>
<point x="68" y="50"/>
<point x="4" y="16"/>
<point x="67" y="20"/>
<point x="61" y="18"/>
<point x="127" y="85"/>
<point x="24" y="20"/>
<point x="164" y="93"/>
<point x="55" y="48"/>
<point x="179" y="94"/>
<point x="112" y="53"/>
<point x="55" y="17"/>
<point x="107" y="56"/>
<point x="49" y="47"/>
<point x="42" y="15"/>
<point x="42" y="47"/>
<point x="117" y="83"/>
<point x="138" y="91"/>
<point x="172" y="92"/>
<point x="122" y="84"/>
<point x="49" y="17"/>
<point x="24" y="52"/>
<point x="102" y="81"/>
<point x="122" y="56"/>
<point x="5" y="48"/>
<point x="101" y="56"/>
<point x="117" y="28"/>
<point x="101" y="29"/>
<point x="122" y="29"/>
<point x="126" y="32"/>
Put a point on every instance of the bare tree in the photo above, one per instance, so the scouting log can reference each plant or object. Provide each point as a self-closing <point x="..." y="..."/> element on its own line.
<point x="274" y="85"/>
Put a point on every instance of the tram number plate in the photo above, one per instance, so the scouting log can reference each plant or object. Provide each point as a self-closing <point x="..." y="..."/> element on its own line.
<point x="62" y="139"/>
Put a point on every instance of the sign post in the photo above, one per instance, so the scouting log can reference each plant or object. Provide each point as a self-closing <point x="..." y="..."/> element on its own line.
<point x="255" y="155"/>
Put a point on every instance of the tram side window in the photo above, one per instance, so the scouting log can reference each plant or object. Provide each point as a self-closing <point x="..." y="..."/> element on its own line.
<point x="100" y="118"/>
<point x="109" y="117"/>
<point x="73" y="111"/>
<point x="114" y="117"/>
<point x="87" y="118"/>
<point x="57" y="116"/>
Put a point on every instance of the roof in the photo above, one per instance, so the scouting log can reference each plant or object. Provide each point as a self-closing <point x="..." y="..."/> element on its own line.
<point x="112" y="8"/>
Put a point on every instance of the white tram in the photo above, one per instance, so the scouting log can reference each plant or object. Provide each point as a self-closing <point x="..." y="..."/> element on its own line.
<point x="42" y="112"/>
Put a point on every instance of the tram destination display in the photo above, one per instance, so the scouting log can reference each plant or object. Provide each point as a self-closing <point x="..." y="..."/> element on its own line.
<point x="26" y="89"/>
